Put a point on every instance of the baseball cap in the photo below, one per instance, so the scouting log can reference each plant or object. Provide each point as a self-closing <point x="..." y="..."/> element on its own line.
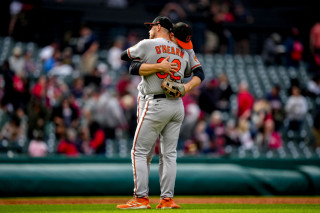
<point x="163" y="21"/>
<point x="183" y="33"/>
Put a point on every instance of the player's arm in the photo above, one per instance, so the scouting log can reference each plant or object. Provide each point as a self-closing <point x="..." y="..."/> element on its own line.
<point x="197" y="78"/>
<point x="143" y="69"/>
<point x="125" y="56"/>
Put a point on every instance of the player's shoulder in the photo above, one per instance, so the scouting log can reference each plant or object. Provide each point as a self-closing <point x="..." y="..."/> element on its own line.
<point x="192" y="55"/>
<point x="190" y="51"/>
<point x="144" y="41"/>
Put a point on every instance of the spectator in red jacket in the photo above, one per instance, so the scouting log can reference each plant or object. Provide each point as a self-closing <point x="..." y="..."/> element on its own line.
<point x="68" y="145"/>
<point x="245" y="101"/>
<point x="98" y="136"/>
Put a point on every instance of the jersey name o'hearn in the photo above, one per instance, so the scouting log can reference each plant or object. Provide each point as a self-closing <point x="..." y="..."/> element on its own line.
<point x="169" y="50"/>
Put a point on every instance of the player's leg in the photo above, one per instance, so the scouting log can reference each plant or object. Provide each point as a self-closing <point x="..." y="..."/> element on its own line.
<point x="168" y="165"/>
<point x="149" y="159"/>
<point x="160" y="158"/>
<point x="141" y="103"/>
<point x="168" y="145"/>
<point x="147" y="131"/>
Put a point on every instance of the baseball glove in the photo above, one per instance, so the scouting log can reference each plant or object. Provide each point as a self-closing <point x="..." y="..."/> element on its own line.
<point x="172" y="88"/>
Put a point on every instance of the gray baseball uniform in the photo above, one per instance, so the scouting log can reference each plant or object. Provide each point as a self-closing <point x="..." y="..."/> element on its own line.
<point x="160" y="116"/>
<point x="194" y="63"/>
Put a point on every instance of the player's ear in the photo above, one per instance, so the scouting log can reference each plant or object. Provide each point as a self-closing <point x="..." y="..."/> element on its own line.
<point x="171" y="36"/>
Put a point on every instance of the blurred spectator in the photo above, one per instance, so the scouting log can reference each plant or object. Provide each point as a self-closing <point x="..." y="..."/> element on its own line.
<point x="241" y="34"/>
<point x="40" y="87"/>
<point x="273" y="50"/>
<point x="114" y="54"/>
<point x="8" y="74"/>
<point x="174" y="11"/>
<point x="225" y="92"/>
<point x="232" y="134"/>
<point x="38" y="117"/>
<point x="315" y="47"/>
<point x="123" y="84"/>
<point x="67" y="56"/>
<point x="12" y="130"/>
<point x="93" y="78"/>
<point x="52" y="61"/>
<point x="192" y="114"/>
<point x="15" y="10"/>
<point x="296" y="109"/>
<point x="22" y="19"/>
<point x="130" y="110"/>
<point x="105" y="109"/>
<point x="313" y="86"/>
<point x="17" y="61"/>
<point x="245" y="137"/>
<point x="21" y="93"/>
<point x="83" y="140"/>
<point x="97" y="142"/>
<point x="48" y="51"/>
<point x="209" y="96"/>
<point x="276" y="106"/>
<point x="190" y="147"/>
<point x="67" y="145"/>
<point x="316" y="128"/>
<point x="56" y="88"/>
<point x="294" y="82"/>
<point x="77" y="88"/>
<point x="64" y="116"/>
<point x="61" y="70"/>
<point x="216" y="132"/>
<point x="201" y="138"/>
<point x="220" y="14"/>
<point x="87" y="47"/>
<point x="261" y="113"/>
<point x="198" y="12"/>
<point x="294" y="49"/>
<point x="30" y="66"/>
<point x="131" y="40"/>
<point x="245" y="101"/>
<point x="37" y="147"/>
<point x="269" y="139"/>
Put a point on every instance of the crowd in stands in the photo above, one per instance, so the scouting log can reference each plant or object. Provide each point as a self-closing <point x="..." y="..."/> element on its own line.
<point x="88" y="102"/>
<point x="209" y="19"/>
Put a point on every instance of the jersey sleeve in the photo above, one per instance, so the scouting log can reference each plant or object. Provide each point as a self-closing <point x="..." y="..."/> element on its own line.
<point x="139" y="50"/>
<point x="194" y="62"/>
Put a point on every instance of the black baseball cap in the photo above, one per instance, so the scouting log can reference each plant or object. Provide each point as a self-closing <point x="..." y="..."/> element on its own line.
<point x="163" y="21"/>
<point x="183" y="34"/>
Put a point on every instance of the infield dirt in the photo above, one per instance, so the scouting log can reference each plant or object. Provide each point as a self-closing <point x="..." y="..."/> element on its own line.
<point x="181" y="200"/>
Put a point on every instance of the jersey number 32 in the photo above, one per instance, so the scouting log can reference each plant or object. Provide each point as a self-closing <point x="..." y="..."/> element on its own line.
<point x="162" y="76"/>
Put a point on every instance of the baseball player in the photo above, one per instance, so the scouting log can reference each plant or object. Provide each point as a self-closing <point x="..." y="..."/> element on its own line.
<point x="162" y="114"/>
<point x="181" y="35"/>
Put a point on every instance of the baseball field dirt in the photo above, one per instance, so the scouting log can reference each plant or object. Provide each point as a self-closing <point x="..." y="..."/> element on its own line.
<point x="153" y="200"/>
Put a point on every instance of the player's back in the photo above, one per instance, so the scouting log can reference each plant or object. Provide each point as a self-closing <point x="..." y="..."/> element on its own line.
<point x="153" y="51"/>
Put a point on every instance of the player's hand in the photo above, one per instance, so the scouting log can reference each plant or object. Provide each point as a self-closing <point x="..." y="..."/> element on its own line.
<point x="168" y="67"/>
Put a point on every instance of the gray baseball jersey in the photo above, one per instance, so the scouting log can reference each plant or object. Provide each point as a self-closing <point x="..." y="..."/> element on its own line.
<point x="153" y="51"/>
<point x="194" y="63"/>
<point x="156" y="117"/>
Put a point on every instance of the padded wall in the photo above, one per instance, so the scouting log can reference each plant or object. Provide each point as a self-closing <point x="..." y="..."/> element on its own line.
<point x="192" y="179"/>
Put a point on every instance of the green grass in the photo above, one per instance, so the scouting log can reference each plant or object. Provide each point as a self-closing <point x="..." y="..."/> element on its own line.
<point x="186" y="208"/>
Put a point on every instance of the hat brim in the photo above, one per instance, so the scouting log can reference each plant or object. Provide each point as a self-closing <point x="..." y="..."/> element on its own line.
<point x="185" y="45"/>
<point x="148" y="25"/>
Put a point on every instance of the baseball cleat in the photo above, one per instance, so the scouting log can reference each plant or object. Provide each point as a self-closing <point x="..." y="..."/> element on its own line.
<point x="136" y="203"/>
<point x="167" y="203"/>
